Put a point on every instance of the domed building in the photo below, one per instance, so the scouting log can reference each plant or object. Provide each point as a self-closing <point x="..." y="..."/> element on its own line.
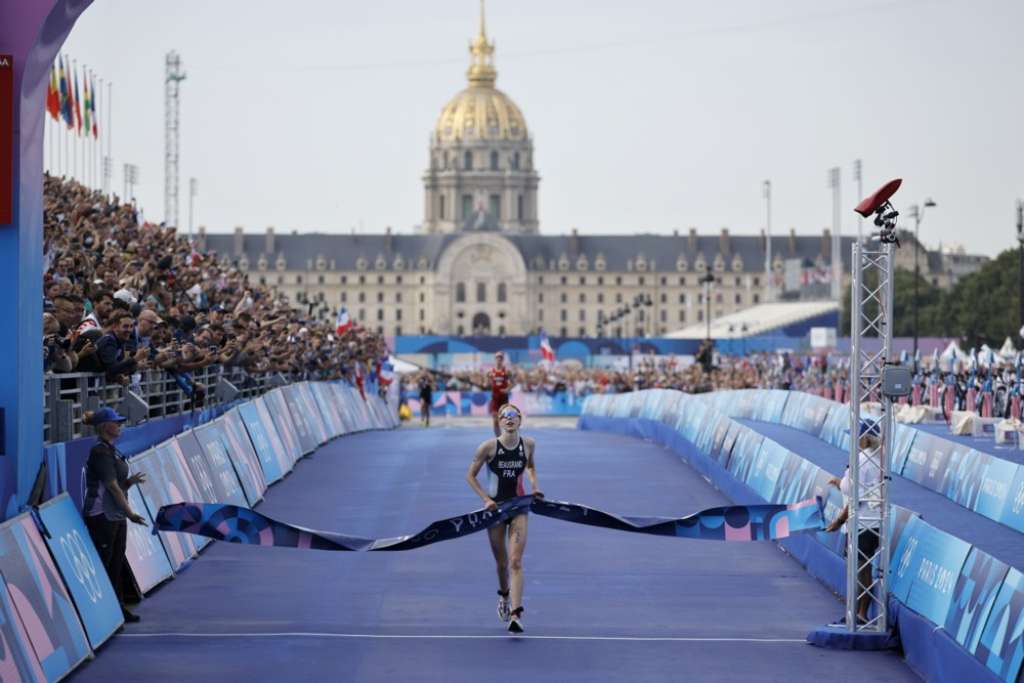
<point x="481" y="174"/>
<point x="479" y="265"/>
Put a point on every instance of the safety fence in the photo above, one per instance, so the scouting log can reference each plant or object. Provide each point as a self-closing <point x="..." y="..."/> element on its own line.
<point x="959" y="611"/>
<point x="148" y="395"/>
<point x="454" y="403"/>
<point x="57" y="604"/>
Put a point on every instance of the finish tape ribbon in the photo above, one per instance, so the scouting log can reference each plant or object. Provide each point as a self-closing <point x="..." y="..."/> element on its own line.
<point x="234" y="524"/>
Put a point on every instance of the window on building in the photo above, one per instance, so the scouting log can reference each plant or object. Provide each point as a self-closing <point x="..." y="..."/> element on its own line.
<point x="380" y="297"/>
<point x="540" y="280"/>
<point x="682" y="299"/>
<point x="700" y="316"/>
<point x="664" y="298"/>
<point x="515" y="161"/>
<point x="540" y="314"/>
<point x="502" y="292"/>
<point x="618" y="297"/>
<point x="398" y="297"/>
<point x="423" y="314"/>
<point x="298" y="279"/>
<point x="664" y="316"/>
<point x="423" y="280"/>
<point x="757" y="282"/>
<point x="423" y="330"/>
<point x="682" y="316"/>
<point x="618" y="330"/>
<point x="344" y="297"/>
<point x="494" y="205"/>
<point x="481" y="292"/>
<point x="600" y="280"/>
<point x="319" y="279"/>
<point x="362" y="314"/>
<point x="467" y="160"/>
<point x="467" y="206"/>
<point x="440" y="207"/>
<point x="565" y="315"/>
<point x="565" y="297"/>
<point x="263" y="280"/>
<point x="739" y="281"/>
<point x="519" y="207"/>
<point x="583" y="332"/>
<point x="494" y="161"/>
<point x="618" y="280"/>
<point x="700" y="298"/>
<point x="757" y="298"/>
<point x="564" y="332"/>
<point x="422" y="297"/>
<point x="461" y="330"/>
<point x="398" y="314"/>
<point x="460" y="292"/>
<point x="583" y="315"/>
<point x="540" y="297"/>
<point x="565" y="280"/>
<point x="398" y="330"/>
<point x="362" y="297"/>
<point x="380" y="314"/>
<point x="501" y="330"/>
<point x="718" y="298"/>
<point x="398" y="279"/>
<point x="380" y="279"/>
<point x="362" y="279"/>
<point x="739" y="298"/>
<point x="583" y="297"/>
<point x="664" y="281"/>
<point x="600" y="297"/>
<point x="640" y="281"/>
<point x="682" y="282"/>
<point x="583" y="280"/>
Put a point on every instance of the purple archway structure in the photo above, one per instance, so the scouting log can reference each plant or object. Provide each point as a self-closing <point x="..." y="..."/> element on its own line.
<point x="31" y="34"/>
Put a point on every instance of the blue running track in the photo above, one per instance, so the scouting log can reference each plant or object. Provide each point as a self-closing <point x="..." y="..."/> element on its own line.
<point x="600" y="605"/>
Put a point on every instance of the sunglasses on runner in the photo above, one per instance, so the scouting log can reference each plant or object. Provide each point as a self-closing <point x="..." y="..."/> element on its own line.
<point x="509" y="413"/>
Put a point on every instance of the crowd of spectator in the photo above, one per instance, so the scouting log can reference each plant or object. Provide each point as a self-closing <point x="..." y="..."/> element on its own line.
<point x="122" y="295"/>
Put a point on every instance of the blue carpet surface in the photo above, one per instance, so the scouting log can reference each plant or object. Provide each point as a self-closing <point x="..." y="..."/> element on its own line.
<point x="601" y="605"/>
<point x="994" y="538"/>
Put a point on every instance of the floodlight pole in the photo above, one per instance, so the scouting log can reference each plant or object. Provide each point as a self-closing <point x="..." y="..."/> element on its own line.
<point x="872" y="303"/>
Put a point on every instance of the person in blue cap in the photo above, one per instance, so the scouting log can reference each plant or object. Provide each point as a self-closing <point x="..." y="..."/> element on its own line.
<point x="870" y="477"/>
<point x="106" y="507"/>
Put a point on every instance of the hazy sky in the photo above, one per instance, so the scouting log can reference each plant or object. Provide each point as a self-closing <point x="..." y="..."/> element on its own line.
<point x="646" y="116"/>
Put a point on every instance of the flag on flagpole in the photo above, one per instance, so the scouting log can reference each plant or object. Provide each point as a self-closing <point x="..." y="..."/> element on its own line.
<point x="86" y="104"/>
<point x="344" y="323"/>
<point x="65" y="95"/>
<point x="545" y="348"/>
<point x="78" y="104"/>
<point x="52" y="95"/>
<point x="92" y="106"/>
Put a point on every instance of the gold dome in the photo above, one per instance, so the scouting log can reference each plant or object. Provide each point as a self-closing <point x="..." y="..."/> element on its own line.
<point x="481" y="111"/>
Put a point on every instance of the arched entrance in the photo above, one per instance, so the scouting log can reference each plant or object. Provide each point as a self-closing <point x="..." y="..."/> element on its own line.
<point x="481" y="324"/>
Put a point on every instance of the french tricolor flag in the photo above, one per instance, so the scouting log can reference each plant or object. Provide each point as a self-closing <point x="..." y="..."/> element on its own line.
<point x="344" y="323"/>
<point x="387" y="371"/>
<point x="545" y="348"/>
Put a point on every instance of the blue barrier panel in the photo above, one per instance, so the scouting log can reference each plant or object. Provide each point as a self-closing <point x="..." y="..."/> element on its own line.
<point x="902" y="441"/>
<point x="903" y="559"/>
<point x="766" y="467"/>
<point x="315" y="418"/>
<point x="1013" y="511"/>
<point x="40" y="598"/>
<point x="806" y="412"/>
<point x="975" y="593"/>
<point x="797" y="480"/>
<point x="227" y="437"/>
<point x="328" y="408"/>
<point x="836" y="427"/>
<point x="729" y="442"/>
<point x="266" y="442"/>
<point x="276" y="407"/>
<point x="18" y="661"/>
<point x="146" y="555"/>
<point x="744" y="453"/>
<point x="296" y="414"/>
<point x="995" y="482"/>
<point x="1001" y="647"/>
<point x="936" y="564"/>
<point x="81" y="567"/>
<point x="769" y="405"/>
<point x="202" y="474"/>
<point x="928" y="460"/>
<point x="167" y="481"/>
<point x="963" y="476"/>
<point x="226" y="481"/>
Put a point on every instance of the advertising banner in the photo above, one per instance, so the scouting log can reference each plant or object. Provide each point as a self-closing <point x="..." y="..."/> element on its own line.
<point x="935" y="565"/>
<point x="145" y="552"/>
<point x="1013" y="511"/>
<point x="328" y="407"/>
<point x="768" y="405"/>
<point x="40" y="598"/>
<point x="296" y="412"/>
<point x="928" y="460"/>
<point x="167" y="481"/>
<point x="1001" y="647"/>
<point x="836" y="427"/>
<point x="975" y="593"/>
<point x="266" y="442"/>
<point x="231" y="431"/>
<point x="902" y="441"/>
<point x="17" y="658"/>
<point x="744" y="453"/>
<point x="202" y="474"/>
<point x="806" y="412"/>
<point x="995" y="482"/>
<point x="273" y="410"/>
<point x="315" y="418"/>
<point x="766" y="467"/>
<point x="80" y="566"/>
<point x="903" y="556"/>
<point x="226" y="484"/>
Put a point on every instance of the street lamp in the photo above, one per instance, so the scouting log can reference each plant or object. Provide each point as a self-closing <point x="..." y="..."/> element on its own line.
<point x="1020" y="241"/>
<point x="706" y="281"/>
<point x="917" y="213"/>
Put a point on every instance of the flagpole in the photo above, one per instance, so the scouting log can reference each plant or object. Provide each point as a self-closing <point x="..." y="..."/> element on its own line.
<point x="110" y="130"/>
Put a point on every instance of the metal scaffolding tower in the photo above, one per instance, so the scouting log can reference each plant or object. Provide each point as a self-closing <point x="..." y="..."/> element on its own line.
<point x="173" y="75"/>
<point x="867" y="570"/>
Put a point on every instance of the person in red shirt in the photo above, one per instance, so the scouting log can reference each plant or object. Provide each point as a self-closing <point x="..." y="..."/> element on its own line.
<point x="501" y="383"/>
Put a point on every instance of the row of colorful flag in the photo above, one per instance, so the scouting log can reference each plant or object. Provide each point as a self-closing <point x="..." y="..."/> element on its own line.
<point x="65" y="102"/>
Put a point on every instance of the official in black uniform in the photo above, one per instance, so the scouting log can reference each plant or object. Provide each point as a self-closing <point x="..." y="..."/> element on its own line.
<point x="106" y="506"/>
<point x="426" y="397"/>
<point x="507" y="458"/>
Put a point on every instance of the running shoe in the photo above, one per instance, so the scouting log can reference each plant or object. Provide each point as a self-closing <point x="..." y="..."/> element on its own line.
<point x="503" y="606"/>
<point x="515" y="624"/>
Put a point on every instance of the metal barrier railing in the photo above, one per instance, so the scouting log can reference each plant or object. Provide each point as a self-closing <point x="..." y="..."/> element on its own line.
<point x="150" y="394"/>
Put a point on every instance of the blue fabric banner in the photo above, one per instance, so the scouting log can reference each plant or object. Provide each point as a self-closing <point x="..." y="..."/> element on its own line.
<point x="145" y="552"/>
<point x="83" y="571"/>
<point x="212" y="470"/>
<point x="300" y="418"/>
<point x="734" y="523"/>
<point x="18" y="660"/>
<point x="975" y="593"/>
<point x="265" y="440"/>
<point x="219" y="446"/>
<point x="1001" y="647"/>
<point x="934" y="565"/>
